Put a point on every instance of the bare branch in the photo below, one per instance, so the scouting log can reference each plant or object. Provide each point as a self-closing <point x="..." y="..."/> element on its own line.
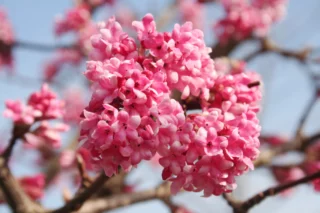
<point x="82" y="196"/>
<point x="14" y="194"/>
<point x="256" y="199"/>
<point x="117" y="201"/>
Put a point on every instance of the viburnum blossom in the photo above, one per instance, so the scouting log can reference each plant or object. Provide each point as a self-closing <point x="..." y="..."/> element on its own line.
<point x="42" y="105"/>
<point x="68" y="158"/>
<point x="74" y="105"/>
<point x="285" y="175"/>
<point x="312" y="163"/>
<point x="245" y="17"/>
<point x="62" y="57"/>
<point x="33" y="185"/>
<point x="46" y="135"/>
<point x="192" y="11"/>
<point x="75" y="19"/>
<point x="181" y="54"/>
<point x="274" y="140"/>
<point x="131" y="115"/>
<point x="6" y="40"/>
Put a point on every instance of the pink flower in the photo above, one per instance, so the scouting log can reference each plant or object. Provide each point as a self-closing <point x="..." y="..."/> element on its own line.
<point x="47" y="103"/>
<point x="33" y="186"/>
<point x="21" y="113"/>
<point x="45" y="135"/>
<point x="112" y="41"/>
<point x="125" y="16"/>
<point x="68" y="158"/>
<point x="75" y="19"/>
<point x="244" y="18"/>
<point x="131" y="115"/>
<point x="74" y="105"/>
<point x="192" y="11"/>
<point x="285" y="175"/>
<point x="61" y="58"/>
<point x="274" y="140"/>
<point x="182" y="54"/>
<point x="41" y="105"/>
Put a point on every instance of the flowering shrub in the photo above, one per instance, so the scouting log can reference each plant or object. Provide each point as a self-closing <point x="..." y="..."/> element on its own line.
<point x="158" y="93"/>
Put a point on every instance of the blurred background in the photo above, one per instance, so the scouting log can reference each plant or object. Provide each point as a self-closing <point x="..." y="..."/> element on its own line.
<point x="287" y="90"/>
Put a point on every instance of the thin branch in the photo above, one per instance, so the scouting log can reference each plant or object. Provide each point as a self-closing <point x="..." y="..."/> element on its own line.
<point x="234" y="204"/>
<point x="117" y="201"/>
<point x="266" y="157"/>
<point x="42" y="47"/>
<point x="256" y="199"/>
<point x="85" y="179"/>
<point x="18" y="131"/>
<point x="82" y="196"/>
<point x="267" y="45"/>
<point x="17" y="199"/>
<point x="305" y="116"/>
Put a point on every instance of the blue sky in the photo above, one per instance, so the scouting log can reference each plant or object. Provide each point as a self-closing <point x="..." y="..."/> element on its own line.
<point x="287" y="90"/>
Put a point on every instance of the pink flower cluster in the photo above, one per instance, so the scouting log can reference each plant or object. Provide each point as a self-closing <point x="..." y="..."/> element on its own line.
<point x="33" y="185"/>
<point x="309" y="166"/>
<point x="68" y="158"/>
<point x="192" y="11"/>
<point x="45" y="135"/>
<point x="131" y="116"/>
<point x="246" y="17"/>
<point x="75" y="103"/>
<point x="74" y="20"/>
<point x="62" y="57"/>
<point x="6" y="39"/>
<point x="285" y="175"/>
<point x="42" y="105"/>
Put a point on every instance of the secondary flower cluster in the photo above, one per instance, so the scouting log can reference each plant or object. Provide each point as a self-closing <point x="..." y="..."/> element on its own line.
<point x="6" y="39"/>
<point x="132" y="116"/>
<point x="245" y="17"/>
<point x="41" y="106"/>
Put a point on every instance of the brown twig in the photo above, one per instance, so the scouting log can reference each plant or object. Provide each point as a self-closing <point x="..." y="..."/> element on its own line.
<point x="82" y="196"/>
<point x="256" y="199"/>
<point x="17" y="199"/>
<point x="42" y="47"/>
<point x="18" y="132"/>
<point x="267" y="45"/>
<point x="121" y="200"/>
<point x="304" y="117"/>
<point x="267" y="156"/>
<point x="85" y="179"/>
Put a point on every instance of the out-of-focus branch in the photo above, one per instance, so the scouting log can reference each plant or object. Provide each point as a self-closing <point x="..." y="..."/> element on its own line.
<point x="234" y="204"/>
<point x="42" y="47"/>
<point x="266" y="156"/>
<point x="17" y="132"/>
<point x="224" y="49"/>
<point x="85" y="179"/>
<point x="82" y="196"/>
<point x="14" y="194"/>
<point x="304" y="117"/>
<point x="256" y="199"/>
<point x="267" y="45"/>
<point x="121" y="200"/>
